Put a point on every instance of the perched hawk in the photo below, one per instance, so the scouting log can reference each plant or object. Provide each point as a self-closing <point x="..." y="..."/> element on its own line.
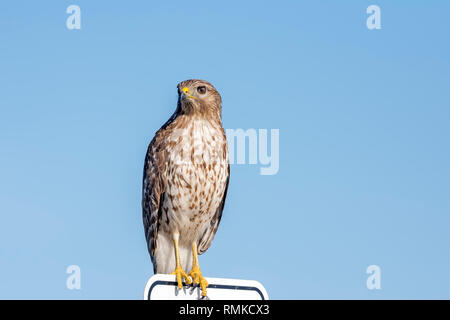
<point x="185" y="183"/>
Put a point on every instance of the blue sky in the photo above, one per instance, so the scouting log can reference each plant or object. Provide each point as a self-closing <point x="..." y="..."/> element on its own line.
<point x="364" y="143"/>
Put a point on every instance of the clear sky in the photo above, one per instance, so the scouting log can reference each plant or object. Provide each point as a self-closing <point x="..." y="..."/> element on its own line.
<point x="363" y="116"/>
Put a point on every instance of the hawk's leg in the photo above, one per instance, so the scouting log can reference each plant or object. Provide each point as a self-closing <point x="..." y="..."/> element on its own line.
<point x="195" y="273"/>
<point x="179" y="272"/>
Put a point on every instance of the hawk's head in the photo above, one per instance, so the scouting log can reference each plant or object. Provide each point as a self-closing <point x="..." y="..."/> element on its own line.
<point x="199" y="97"/>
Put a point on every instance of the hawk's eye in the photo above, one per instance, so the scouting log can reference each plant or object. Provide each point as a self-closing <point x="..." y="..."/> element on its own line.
<point x="201" y="90"/>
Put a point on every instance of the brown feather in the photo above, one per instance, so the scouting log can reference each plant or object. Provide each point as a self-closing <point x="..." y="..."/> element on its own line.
<point x="184" y="189"/>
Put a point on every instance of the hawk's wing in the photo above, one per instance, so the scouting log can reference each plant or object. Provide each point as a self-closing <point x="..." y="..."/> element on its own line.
<point x="152" y="195"/>
<point x="208" y="236"/>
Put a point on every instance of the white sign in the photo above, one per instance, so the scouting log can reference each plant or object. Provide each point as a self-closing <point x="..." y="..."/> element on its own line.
<point x="164" y="287"/>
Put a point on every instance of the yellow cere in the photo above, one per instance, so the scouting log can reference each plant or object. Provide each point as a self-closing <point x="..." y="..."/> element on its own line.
<point x="186" y="91"/>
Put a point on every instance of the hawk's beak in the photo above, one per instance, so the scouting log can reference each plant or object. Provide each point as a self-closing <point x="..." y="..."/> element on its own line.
<point x="186" y="93"/>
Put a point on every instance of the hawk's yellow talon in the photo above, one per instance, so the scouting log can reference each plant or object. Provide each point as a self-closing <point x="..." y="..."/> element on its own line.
<point x="180" y="274"/>
<point x="195" y="273"/>
<point x="197" y="278"/>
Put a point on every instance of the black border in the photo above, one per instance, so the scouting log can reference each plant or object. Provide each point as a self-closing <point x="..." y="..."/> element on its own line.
<point x="216" y="286"/>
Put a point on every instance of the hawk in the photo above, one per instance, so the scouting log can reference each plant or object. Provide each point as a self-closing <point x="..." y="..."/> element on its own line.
<point x="186" y="175"/>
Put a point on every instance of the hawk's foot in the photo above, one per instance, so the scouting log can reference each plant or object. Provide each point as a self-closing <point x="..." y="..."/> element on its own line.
<point x="180" y="274"/>
<point x="198" y="278"/>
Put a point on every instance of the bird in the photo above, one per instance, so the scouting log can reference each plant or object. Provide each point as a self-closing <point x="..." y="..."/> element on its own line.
<point x="185" y="183"/>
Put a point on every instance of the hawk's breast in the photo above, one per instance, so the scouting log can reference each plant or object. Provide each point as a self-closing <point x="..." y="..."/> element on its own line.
<point x="196" y="171"/>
